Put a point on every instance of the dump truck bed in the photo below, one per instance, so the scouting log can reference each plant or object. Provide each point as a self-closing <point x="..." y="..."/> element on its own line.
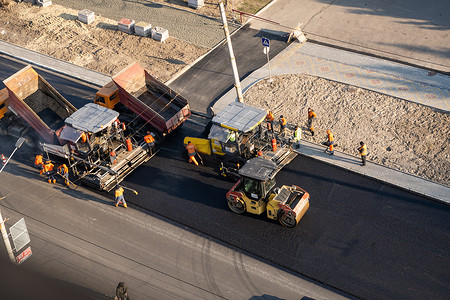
<point x="152" y="100"/>
<point x="37" y="102"/>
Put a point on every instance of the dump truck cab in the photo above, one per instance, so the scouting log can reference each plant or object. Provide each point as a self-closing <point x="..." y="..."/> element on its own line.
<point x="255" y="193"/>
<point x="108" y="95"/>
<point x="3" y="102"/>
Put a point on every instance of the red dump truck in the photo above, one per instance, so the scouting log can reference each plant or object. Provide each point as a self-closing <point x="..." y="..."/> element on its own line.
<point x="28" y="100"/>
<point x="151" y="102"/>
<point x="91" y="140"/>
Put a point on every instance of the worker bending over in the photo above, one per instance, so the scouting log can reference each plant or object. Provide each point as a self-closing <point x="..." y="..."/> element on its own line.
<point x="119" y="196"/>
<point x="63" y="170"/>
<point x="192" y="151"/>
<point x="47" y="170"/>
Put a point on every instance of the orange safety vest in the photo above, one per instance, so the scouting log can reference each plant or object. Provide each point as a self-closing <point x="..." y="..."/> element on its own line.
<point x="38" y="160"/>
<point x="283" y="121"/>
<point x="331" y="138"/>
<point x="83" y="137"/>
<point x="119" y="192"/>
<point x="363" y="149"/>
<point x="63" y="169"/>
<point x="311" y="114"/>
<point x="48" y="167"/>
<point x="270" y="116"/>
<point x="191" y="148"/>
<point x="149" y="139"/>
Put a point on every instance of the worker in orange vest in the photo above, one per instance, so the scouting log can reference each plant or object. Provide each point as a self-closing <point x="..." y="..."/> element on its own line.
<point x="112" y="156"/>
<point x="329" y="142"/>
<point x="283" y="124"/>
<point x="311" y="116"/>
<point x="119" y="196"/>
<point x="269" y="119"/>
<point x="150" y="141"/>
<point x="363" y="151"/>
<point x="192" y="151"/>
<point x="83" y="137"/>
<point x="63" y="170"/>
<point x="39" y="161"/>
<point x="48" y="171"/>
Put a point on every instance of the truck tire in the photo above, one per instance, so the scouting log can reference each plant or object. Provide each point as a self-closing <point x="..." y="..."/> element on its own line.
<point x="285" y="220"/>
<point x="237" y="207"/>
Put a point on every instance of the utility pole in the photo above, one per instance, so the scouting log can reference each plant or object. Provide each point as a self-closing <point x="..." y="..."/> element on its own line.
<point x="6" y="239"/>
<point x="237" y="83"/>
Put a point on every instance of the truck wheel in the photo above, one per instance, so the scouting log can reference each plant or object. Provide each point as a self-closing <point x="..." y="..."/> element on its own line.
<point x="237" y="207"/>
<point x="286" y="220"/>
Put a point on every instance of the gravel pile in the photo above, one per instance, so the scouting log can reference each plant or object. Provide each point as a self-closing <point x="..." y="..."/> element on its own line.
<point x="184" y="25"/>
<point x="399" y="134"/>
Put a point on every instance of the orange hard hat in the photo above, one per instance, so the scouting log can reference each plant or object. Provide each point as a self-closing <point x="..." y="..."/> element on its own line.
<point x="328" y="131"/>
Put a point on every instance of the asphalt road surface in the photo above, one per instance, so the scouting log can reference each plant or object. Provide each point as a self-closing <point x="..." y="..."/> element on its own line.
<point x="360" y="236"/>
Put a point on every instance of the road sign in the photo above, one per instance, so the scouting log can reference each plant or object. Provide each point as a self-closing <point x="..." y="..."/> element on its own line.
<point x="265" y="42"/>
<point x="24" y="255"/>
<point x="266" y="50"/>
<point x="19" y="234"/>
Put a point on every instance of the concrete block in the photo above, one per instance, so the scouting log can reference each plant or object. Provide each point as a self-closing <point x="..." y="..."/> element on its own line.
<point x="86" y="16"/>
<point x="44" y="3"/>
<point x="143" y="29"/>
<point x="126" y="26"/>
<point x="196" y="4"/>
<point x="160" y="34"/>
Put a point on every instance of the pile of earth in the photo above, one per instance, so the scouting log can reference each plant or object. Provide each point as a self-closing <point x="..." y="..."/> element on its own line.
<point x="399" y="134"/>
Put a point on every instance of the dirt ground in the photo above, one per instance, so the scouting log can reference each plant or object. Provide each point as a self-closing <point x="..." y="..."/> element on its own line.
<point x="400" y="134"/>
<point x="55" y="31"/>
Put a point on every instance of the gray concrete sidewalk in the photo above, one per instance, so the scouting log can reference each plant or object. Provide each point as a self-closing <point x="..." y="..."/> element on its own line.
<point x="382" y="76"/>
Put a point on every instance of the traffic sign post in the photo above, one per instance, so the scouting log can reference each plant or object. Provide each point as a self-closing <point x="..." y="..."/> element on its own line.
<point x="266" y="44"/>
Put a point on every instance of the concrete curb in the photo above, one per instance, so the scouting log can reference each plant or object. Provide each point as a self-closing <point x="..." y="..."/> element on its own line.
<point x="54" y="64"/>
<point x="399" y="179"/>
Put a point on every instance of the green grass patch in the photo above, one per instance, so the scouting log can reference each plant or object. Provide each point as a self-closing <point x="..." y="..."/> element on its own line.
<point x="253" y="6"/>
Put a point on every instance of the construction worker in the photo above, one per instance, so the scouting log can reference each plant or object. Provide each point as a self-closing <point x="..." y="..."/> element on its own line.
<point x="38" y="161"/>
<point x="283" y="124"/>
<point x="47" y="169"/>
<point x="297" y="136"/>
<point x="192" y="151"/>
<point x="119" y="196"/>
<point x="329" y="142"/>
<point x="269" y="119"/>
<point x="112" y="156"/>
<point x="150" y="141"/>
<point x="232" y="136"/>
<point x="83" y="137"/>
<point x="311" y="116"/>
<point x="63" y="170"/>
<point x="121" y="291"/>
<point x="363" y="152"/>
